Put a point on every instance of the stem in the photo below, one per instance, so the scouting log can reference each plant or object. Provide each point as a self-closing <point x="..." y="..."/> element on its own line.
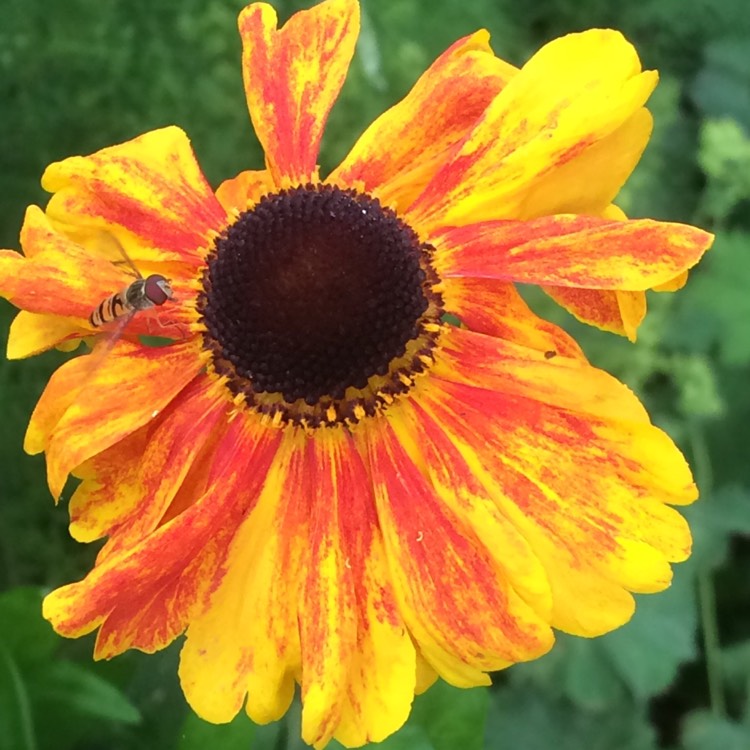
<point x="706" y="591"/>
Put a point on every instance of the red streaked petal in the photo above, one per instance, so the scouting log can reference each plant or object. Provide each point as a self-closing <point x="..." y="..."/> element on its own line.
<point x="327" y="616"/>
<point x="601" y="308"/>
<point x="128" y="489"/>
<point x="145" y="596"/>
<point x="572" y="251"/>
<point x="148" y="192"/>
<point x="61" y="391"/>
<point x="383" y="677"/>
<point x="55" y="276"/>
<point x="125" y="391"/>
<point x="292" y="78"/>
<point x="458" y="487"/>
<point x="574" y="93"/>
<point x="439" y="110"/>
<point x="503" y="366"/>
<point x="497" y="309"/>
<point x="245" y="190"/>
<point x="585" y="492"/>
<point x="61" y="279"/>
<point x="442" y="573"/>
<point x="331" y="619"/>
<point x="569" y="386"/>
<point x="358" y="662"/>
<point x="110" y="490"/>
<point x="247" y="640"/>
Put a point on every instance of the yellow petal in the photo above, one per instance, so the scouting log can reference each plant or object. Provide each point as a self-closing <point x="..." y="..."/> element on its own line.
<point x="574" y="93"/>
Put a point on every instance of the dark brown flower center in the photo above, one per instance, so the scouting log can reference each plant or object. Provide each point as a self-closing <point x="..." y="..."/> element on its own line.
<point x="313" y="292"/>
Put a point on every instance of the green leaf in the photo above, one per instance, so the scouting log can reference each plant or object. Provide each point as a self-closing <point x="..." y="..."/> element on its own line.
<point x="409" y="737"/>
<point x="197" y="734"/>
<point x="648" y="651"/>
<point x="82" y="692"/>
<point x="717" y="296"/>
<point x="452" y="717"/>
<point x="525" y="717"/>
<point x="589" y="679"/>
<point x="725" y="157"/>
<point x="722" y="87"/>
<point x="23" y="631"/>
<point x="443" y="718"/>
<point x="695" y="378"/>
<point x="713" y="520"/>
<point x="703" y="731"/>
<point x="639" y="659"/>
<point x="735" y="667"/>
<point x="16" y="722"/>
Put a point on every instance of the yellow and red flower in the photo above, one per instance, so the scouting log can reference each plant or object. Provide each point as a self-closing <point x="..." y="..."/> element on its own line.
<point x="321" y="480"/>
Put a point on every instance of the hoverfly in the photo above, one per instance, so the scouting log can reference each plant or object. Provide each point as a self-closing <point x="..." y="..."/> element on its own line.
<point x="141" y="294"/>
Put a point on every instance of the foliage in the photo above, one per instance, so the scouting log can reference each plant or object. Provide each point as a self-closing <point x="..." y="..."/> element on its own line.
<point x="79" y="75"/>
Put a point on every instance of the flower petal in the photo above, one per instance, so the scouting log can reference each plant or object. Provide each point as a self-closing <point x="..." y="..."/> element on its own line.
<point x="358" y="662"/>
<point x="452" y="596"/>
<point x="615" y="311"/>
<point x="571" y="385"/>
<point x="59" y="280"/>
<point x="497" y="309"/>
<point x="327" y="617"/>
<point x="62" y="389"/>
<point x="127" y="489"/>
<point x="145" y="596"/>
<point x="575" y="92"/>
<point x="292" y="78"/>
<point x="50" y="277"/>
<point x="110" y="490"/>
<point x="585" y="486"/>
<point x="123" y="391"/>
<point x="149" y="193"/>
<point x="247" y="639"/>
<point x="331" y="618"/>
<point x="572" y="251"/>
<point x="398" y="154"/>
<point x="674" y="284"/>
<point x="514" y="370"/>
<point x="32" y="333"/>
<point x="461" y="492"/>
<point x="589" y="181"/>
<point x="245" y="190"/>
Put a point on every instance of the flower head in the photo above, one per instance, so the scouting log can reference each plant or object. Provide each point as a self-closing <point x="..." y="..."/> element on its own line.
<point x="321" y="480"/>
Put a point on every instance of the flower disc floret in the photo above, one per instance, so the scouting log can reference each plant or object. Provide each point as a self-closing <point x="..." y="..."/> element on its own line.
<point x="314" y="292"/>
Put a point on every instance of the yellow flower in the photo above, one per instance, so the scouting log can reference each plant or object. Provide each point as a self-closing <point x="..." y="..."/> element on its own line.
<point x="320" y="479"/>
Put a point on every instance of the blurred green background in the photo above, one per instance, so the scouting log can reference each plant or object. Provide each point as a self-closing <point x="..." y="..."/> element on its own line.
<point x="80" y="75"/>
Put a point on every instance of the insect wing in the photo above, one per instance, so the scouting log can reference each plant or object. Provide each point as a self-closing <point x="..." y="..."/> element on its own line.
<point x="107" y="342"/>
<point x="126" y="258"/>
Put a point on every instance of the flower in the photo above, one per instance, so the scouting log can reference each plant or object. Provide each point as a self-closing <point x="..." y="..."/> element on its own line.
<point x="320" y="479"/>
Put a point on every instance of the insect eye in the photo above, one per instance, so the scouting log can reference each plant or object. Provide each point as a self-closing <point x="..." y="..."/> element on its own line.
<point x="157" y="289"/>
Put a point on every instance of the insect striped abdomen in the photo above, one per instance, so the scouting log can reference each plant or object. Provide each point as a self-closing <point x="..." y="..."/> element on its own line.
<point x="115" y="306"/>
